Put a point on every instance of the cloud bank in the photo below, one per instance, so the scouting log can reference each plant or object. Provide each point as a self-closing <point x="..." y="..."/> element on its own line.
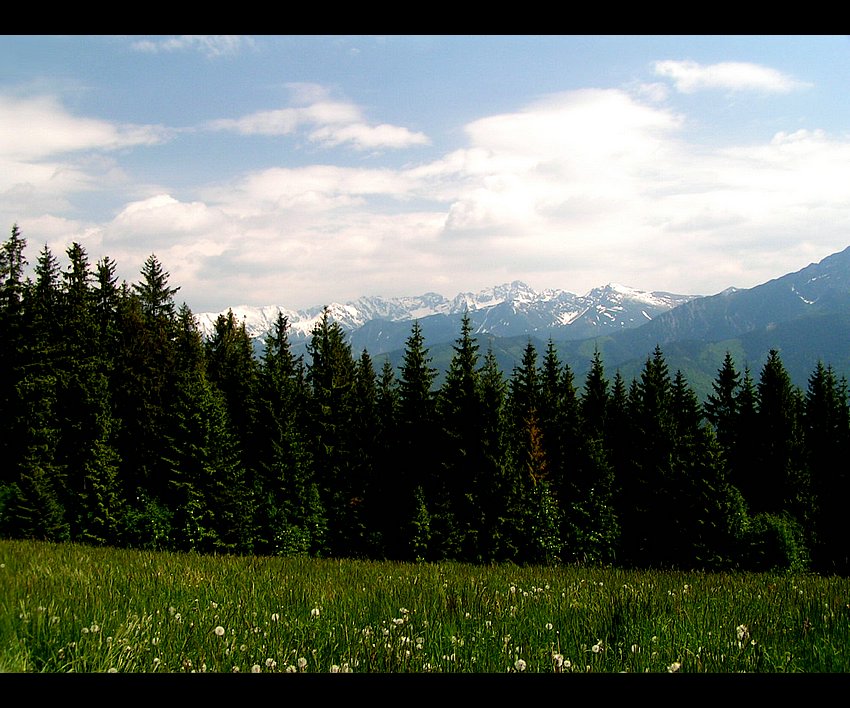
<point x="571" y="190"/>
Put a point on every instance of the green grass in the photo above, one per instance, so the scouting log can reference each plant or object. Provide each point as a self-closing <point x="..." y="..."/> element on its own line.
<point x="72" y="608"/>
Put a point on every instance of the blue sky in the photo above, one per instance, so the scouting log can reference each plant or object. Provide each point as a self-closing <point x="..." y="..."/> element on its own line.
<point x="306" y="170"/>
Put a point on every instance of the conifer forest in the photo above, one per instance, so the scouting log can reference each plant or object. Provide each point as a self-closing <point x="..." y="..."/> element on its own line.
<point x="122" y="425"/>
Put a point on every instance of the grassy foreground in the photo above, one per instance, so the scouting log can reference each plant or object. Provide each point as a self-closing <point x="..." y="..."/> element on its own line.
<point x="72" y="608"/>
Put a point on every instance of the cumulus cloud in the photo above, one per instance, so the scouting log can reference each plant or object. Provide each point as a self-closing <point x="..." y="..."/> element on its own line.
<point x="48" y="155"/>
<point x="211" y="46"/>
<point x="690" y="76"/>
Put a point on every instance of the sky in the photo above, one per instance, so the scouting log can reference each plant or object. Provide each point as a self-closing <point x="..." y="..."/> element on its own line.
<point x="304" y="170"/>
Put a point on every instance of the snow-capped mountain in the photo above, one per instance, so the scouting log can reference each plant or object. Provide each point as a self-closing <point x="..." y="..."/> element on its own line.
<point x="382" y="324"/>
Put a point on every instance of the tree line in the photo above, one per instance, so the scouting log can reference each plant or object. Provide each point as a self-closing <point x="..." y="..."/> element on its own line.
<point x="121" y="424"/>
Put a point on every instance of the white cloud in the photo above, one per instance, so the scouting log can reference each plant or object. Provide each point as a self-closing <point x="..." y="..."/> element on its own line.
<point x="690" y="76"/>
<point x="366" y="137"/>
<point x="38" y="127"/>
<point x="279" y="122"/>
<point x="331" y="123"/>
<point x="211" y="46"/>
<point x="569" y="191"/>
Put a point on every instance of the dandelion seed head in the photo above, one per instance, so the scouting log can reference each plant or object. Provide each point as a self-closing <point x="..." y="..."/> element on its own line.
<point x="302" y="663"/>
<point x="674" y="667"/>
<point x="314" y="612"/>
<point x="255" y="669"/>
<point x="519" y="665"/>
<point x="219" y="631"/>
<point x="549" y="625"/>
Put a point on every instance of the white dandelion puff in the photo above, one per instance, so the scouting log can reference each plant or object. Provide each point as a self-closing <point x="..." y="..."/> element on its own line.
<point x="520" y="665"/>
<point x="219" y="631"/>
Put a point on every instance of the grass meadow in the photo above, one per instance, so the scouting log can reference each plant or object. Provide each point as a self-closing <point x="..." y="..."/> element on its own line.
<point x="73" y="608"/>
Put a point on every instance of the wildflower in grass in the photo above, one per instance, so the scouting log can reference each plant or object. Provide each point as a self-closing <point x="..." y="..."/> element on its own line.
<point x="558" y="661"/>
<point x="398" y="621"/>
<point x="549" y="625"/>
<point x="235" y="670"/>
<point x="674" y="667"/>
<point x="334" y="669"/>
<point x="743" y="634"/>
<point x="255" y="669"/>
<point x="314" y="612"/>
<point x="112" y="670"/>
<point x="271" y="663"/>
<point x="219" y="631"/>
<point x="302" y="663"/>
<point x="519" y="665"/>
<point x="597" y="648"/>
<point x="275" y="617"/>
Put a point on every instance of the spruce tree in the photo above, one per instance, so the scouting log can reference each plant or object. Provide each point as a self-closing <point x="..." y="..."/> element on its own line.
<point x="781" y="483"/>
<point x="144" y="389"/>
<point x="13" y="351"/>
<point x="827" y="443"/>
<point x="417" y="462"/>
<point x="88" y="451"/>
<point x="500" y="495"/>
<point x="647" y="502"/>
<point x="456" y="513"/>
<point x="290" y="514"/>
<point x="384" y="495"/>
<point x="330" y="374"/>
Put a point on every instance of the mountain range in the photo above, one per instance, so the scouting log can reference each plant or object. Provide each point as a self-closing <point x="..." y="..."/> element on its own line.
<point x="805" y="315"/>
<point x="382" y="325"/>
